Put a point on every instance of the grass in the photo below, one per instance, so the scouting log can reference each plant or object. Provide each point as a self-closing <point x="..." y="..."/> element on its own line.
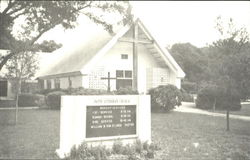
<point x="37" y="136"/>
<point x="245" y="110"/>
<point x="177" y="132"/>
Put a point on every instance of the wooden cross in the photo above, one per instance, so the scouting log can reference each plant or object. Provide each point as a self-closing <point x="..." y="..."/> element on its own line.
<point x="108" y="78"/>
<point x="135" y="41"/>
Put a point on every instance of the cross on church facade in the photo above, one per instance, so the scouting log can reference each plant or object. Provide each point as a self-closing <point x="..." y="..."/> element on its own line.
<point x="135" y="41"/>
<point x="108" y="78"/>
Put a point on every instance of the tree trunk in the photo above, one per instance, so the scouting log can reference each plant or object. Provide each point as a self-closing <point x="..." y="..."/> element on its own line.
<point x="228" y="119"/>
<point x="17" y="99"/>
<point x="214" y="104"/>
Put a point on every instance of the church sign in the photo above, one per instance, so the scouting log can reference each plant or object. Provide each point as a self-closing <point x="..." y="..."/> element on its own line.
<point x="112" y="120"/>
<point x="103" y="119"/>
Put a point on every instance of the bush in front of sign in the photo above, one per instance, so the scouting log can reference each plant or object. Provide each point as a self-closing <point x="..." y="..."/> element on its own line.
<point x="31" y="100"/>
<point x="165" y="98"/>
<point x="53" y="99"/>
<point x="125" y="91"/>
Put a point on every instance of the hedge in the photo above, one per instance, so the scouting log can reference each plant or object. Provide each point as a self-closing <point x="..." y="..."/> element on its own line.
<point x="210" y="96"/>
<point x="31" y="100"/>
<point x="53" y="99"/>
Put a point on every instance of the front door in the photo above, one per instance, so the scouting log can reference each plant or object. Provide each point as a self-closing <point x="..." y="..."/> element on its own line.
<point x="3" y="88"/>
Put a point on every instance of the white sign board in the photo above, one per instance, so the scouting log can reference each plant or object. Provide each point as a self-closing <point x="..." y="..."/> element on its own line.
<point x="103" y="119"/>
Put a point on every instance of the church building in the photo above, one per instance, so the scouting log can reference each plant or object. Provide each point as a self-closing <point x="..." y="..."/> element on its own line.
<point x="131" y="57"/>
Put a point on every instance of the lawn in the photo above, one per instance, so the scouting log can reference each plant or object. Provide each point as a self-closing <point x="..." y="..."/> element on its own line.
<point x="245" y="110"/>
<point x="37" y="136"/>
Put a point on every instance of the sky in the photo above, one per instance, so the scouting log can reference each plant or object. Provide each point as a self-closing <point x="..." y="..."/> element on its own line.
<point x="173" y="22"/>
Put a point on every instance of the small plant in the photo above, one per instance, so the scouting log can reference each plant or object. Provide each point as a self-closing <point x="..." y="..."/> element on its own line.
<point x="117" y="147"/>
<point x="135" y="151"/>
<point x="138" y="146"/>
<point x="124" y="91"/>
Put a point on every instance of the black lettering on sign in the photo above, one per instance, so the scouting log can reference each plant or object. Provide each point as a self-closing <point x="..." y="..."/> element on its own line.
<point x="112" y="120"/>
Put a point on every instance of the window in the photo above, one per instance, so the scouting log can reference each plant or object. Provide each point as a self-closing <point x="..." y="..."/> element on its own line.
<point x="124" y="79"/>
<point x="57" y="83"/>
<point x="124" y="56"/>
<point x="41" y="83"/>
<point x="128" y="74"/>
<point x="48" y="84"/>
<point x="119" y="74"/>
<point x="3" y="88"/>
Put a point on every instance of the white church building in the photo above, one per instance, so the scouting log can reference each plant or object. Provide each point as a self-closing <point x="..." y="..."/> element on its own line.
<point x="131" y="56"/>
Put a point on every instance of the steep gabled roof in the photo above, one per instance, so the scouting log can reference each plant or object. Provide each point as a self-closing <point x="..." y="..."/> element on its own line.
<point x="78" y="59"/>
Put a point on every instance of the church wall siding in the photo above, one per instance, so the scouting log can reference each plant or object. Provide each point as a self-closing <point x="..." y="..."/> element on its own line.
<point x="76" y="81"/>
<point x="111" y="62"/>
<point x="64" y="83"/>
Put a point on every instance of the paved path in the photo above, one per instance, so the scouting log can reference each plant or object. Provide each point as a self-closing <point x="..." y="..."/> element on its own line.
<point x="11" y="108"/>
<point x="190" y="108"/>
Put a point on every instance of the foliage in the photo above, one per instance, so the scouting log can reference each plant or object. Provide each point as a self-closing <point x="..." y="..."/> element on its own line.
<point x="165" y="97"/>
<point x="53" y="99"/>
<point x="186" y="97"/>
<point x="135" y="151"/>
<point x="31" y="100"/>
<point x="191" y="59"/>
<point x="86" y="91"/>
<point x="189" y="87"/>
<point x="7" y="103"/>
<point x="211" y="96"/>
<point x="53" y="96"/>
<point x="39" y="17"/>
<point x="22" y="66"/>
<point x="124" y="91"/>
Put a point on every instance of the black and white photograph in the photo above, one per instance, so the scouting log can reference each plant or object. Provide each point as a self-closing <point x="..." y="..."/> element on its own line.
<point x="124" y="80"/>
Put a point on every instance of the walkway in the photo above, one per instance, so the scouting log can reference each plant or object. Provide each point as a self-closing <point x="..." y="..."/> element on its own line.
<point x="190" y="108"/>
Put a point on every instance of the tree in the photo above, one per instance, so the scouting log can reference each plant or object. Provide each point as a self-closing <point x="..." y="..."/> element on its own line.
<point x="21" y="67"/>
<point x="192" y="60"/>
<point x="38" y="17"/>
<point x="229" y="65"/>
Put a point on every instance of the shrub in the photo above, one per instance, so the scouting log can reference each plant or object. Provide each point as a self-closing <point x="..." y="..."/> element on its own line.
<point x="212" y="95"/>
<point x="186" y="97"/>
<point x="117" y="147"/>
<point x="125" y="91"/>
<point x="190" y="87"/>
<point x="165" y="98"/>
<point x="28" y="100"/>
<point x="86" y="91"/>
<point x="135" y="151"/>
<point x="53" y="99"/>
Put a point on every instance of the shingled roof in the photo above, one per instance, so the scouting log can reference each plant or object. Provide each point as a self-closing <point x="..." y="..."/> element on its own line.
<point x="73" y="58"/>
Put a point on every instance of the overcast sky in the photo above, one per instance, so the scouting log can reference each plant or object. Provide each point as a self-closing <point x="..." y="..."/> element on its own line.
<point x="176" y="21"/>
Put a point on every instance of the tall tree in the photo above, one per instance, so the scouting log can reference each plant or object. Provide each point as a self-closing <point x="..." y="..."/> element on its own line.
<point x="22" y="23"/>
<point x="21" y="67"/>
<point x="229" y="64"/>
<point x="192" y="60"/>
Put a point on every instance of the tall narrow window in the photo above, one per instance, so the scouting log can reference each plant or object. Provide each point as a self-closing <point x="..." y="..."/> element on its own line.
<point x="57" y="83"/>
<point x="48" y="84"/>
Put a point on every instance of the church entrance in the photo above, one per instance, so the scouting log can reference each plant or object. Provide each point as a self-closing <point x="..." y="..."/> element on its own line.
<point x="124" y="79"/>
<point x="3" y="88"/>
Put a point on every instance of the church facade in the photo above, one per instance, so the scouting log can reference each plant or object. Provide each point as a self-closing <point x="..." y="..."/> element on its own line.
<point x="129" y="58"/>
